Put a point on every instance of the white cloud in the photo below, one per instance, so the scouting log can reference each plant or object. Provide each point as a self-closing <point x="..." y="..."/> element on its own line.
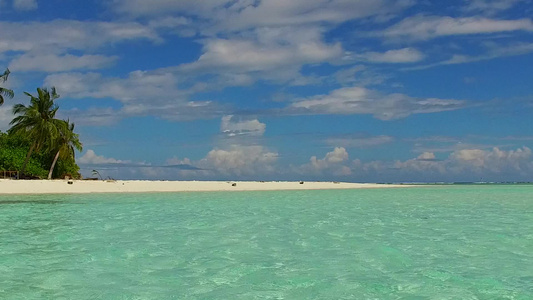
<point x="276" y="54"/>
<point x="246" y="162"/>
<point x="245" y="41"/>
<point x="232" y="127"/>
<point x="25" y="4"/>
<point x="427" y="27"/>
<point x="338" y="155"/>
<point x="493" y="52"/>
<point x="494" y="161"/>
<point x="240" y="160"/>
<point x="358" y="100"/>
<point x="66" y="35"/>
<point x="461" y="165"/>
<point x="235" y="154"/>
<point x="233" y="162"/>
<point x="91" y="158"/>
<point x="227" y="15"/>
<point x="405" y="55"/>
<point x="490" y="7"/>
<point x="93" y="116"/>
<point x="466" y="164"/>
<point x="333" y="163"/>
<point x="60" y="63"/>
<point x="140" y="93"/>
<point x="424" y="163"/>
<point x="76" y="85"/>
<point x="426" y="156"/>
<point x="139" y="85"/>
<point x="298" y="12"/>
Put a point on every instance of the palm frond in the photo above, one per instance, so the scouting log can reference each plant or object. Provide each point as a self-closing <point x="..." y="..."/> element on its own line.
<point x="7" y="93"/>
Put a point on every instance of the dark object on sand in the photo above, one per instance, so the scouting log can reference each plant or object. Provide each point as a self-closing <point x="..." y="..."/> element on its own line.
<point x="301" y="182"/>
<point x="233" y="184"/>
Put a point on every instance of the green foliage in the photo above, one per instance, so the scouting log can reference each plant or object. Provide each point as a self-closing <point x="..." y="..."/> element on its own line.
<point x="38" y="119"/>
<point x="38" y="144"/>
<point x="65" y="145"/>
<point x="13" y="150"/>
<point x="66" y="167"/>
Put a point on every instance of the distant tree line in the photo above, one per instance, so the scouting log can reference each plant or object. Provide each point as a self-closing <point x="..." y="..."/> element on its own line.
<point x="38" y="145"/>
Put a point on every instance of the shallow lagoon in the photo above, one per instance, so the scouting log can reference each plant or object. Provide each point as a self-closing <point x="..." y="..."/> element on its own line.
<point x="453" y="242"/>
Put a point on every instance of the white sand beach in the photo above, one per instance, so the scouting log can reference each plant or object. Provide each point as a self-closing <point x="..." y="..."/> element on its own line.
<point x="132" y="186"/>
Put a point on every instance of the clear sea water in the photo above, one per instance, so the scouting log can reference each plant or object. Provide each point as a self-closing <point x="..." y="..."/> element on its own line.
<point x="455" y="242"/>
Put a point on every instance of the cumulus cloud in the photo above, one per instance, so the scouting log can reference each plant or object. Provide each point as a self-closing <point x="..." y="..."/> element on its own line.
<point x="240" y="160"/>
<point x="427" y="156"/>
<point x="333" y="163"/>
<point x="358" y="100"/>
<point x="467" y="164"/>
<point x="245" y="162"/>
<point x="427" y="27"/>
<point x="91" y="158"/>
<point x="232" y="127"/>
<point x="233" y="158"/>
<point x="495" y="160"/>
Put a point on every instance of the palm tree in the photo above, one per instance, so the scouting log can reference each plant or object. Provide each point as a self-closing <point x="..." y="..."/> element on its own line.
<point x="3" y="91"/>
<point x="65" y="144"/>
<point x="37" y="120"/>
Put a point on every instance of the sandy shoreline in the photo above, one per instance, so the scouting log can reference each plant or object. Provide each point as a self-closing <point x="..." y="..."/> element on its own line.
<point x="132" y="186"/>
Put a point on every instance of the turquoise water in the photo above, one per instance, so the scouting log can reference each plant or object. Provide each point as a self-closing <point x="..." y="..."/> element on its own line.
<point x="467" y="242"/>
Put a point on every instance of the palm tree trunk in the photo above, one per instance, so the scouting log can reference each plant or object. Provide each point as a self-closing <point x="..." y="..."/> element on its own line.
<point x="53" y="165"/>
<point x="27" y="159"/>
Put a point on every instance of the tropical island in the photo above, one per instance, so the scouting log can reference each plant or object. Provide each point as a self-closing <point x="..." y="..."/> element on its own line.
<point x="37" y="145"/>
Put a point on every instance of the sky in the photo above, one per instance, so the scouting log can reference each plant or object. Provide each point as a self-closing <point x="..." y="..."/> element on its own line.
<point x="344" y="90"/>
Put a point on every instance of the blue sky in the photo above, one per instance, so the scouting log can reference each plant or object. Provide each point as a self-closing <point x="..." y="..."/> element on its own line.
<point x="351" y="90"/>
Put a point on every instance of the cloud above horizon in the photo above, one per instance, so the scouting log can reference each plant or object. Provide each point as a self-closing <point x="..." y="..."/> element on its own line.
<point x="239" y="162"/>
<point x="347" y="89"/>
<point x="359" y="100"/>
